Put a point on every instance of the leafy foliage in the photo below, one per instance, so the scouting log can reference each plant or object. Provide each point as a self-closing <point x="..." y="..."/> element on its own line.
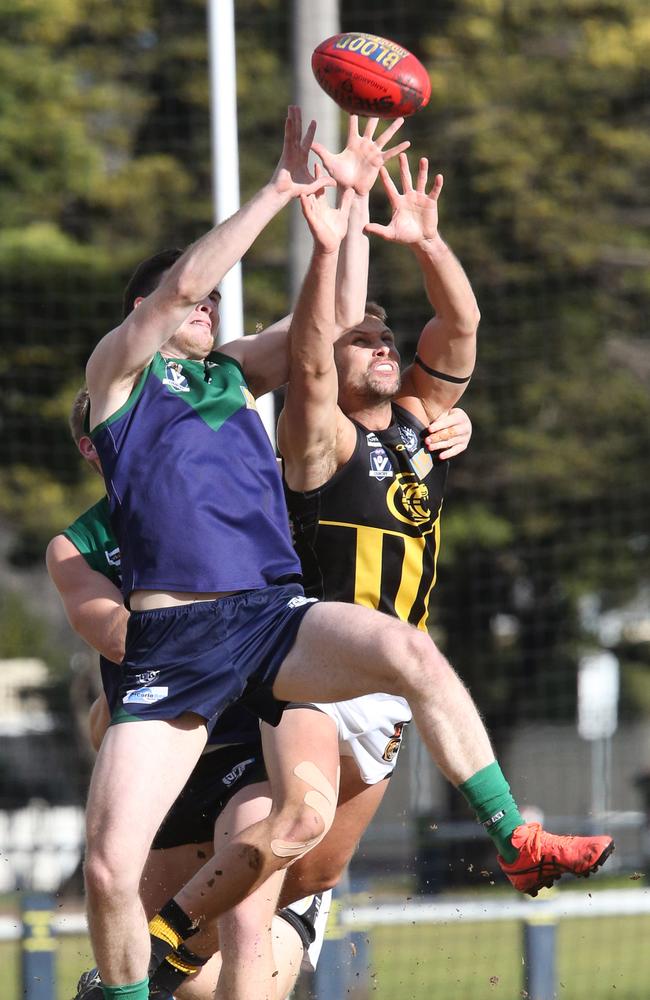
<point x="539" y="122"/>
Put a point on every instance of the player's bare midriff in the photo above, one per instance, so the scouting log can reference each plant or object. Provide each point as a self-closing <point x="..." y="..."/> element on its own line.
<point x="149" y="600"/>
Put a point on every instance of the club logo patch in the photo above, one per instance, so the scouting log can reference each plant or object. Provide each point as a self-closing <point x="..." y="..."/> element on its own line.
<point x="175" y="377"/>
<point x="408" y="501"/>
<point x="380" y="467"/>
<point x="409" y="437"/>
<point x="394" y="743"/>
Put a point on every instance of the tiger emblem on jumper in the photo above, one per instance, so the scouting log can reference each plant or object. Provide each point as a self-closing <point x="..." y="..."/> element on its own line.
<point x="408" y="501"/>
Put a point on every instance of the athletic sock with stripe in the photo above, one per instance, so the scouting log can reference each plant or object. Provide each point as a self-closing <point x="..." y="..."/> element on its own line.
<point x="174" y="970"/>
<point x="489" y="795"/>
<point x="167" y="931"/>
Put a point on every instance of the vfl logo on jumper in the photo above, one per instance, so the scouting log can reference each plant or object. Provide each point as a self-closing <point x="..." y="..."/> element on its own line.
<point x="394" y="743"/>
<point x="380" y="467"/>
<point x="113" y="557"/>
<point x="175" y="377"/>
<point x="409" y="437"/>
<point x="147" y="677"/>
<point x="408" y="501"/>
<point x="237" y="771"/>
<point x="145" y="696"/>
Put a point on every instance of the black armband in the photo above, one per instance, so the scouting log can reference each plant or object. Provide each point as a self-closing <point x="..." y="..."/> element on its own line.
<point x="431" y="371"/>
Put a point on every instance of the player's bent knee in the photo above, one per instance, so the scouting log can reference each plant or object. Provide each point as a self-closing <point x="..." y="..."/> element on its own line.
<point x="309" y="824"/>
<point x="421" y="664"/>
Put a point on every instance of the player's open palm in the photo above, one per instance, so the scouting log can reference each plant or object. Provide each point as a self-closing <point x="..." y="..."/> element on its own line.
<point x="292" y="175"/>
<point x="328" y="225"/>
<point x="358" y="165"/>
<point x="414" y="212"/>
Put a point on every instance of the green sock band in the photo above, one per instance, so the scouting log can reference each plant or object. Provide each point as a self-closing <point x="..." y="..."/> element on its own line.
<point x="489" y="795"/>
<point x="134" y="991"/>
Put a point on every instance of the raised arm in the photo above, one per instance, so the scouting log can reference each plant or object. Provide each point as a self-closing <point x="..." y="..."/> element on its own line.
<point x="307" y="429"/>
<point x="446" y="350"/>
<point x="263" y="357"/>
<point x="357" y="166"/>
<point x="125" y="351"/>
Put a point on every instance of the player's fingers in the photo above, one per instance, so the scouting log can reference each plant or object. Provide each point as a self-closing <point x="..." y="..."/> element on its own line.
<point x="322" y="151"/>
<point x="405" y="173"/>
<point x="369" y="130"/>
<point x="309" y="136"/>
<point x="375" y="229"/>
<point x="423" y="173"/>
<point x="389" y="185"/>
<point x="437" y="187"/>
<point x="353" y="127"/>
<point x="456" y="449"/>
<point x="395" y="151"/>
<point x="389" y="132"/>
<point x="438" y="443"/>
<point x="318" y="185"/>
<point x="446" y="419"/>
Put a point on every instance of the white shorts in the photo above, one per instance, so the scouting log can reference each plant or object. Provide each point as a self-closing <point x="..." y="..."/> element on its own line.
<point x="370" y="730"/>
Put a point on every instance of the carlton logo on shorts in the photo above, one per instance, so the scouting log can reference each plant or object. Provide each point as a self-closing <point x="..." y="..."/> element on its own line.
<point x="145" y="696"/>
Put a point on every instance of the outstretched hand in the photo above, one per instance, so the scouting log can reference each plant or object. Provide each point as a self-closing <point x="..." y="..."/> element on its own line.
<point x="292" y="176"/>
<point x="328" y="225"/>
<point x="415" y="213"/>
<point x="358" y="165"/>
<point x="449" y="434"/>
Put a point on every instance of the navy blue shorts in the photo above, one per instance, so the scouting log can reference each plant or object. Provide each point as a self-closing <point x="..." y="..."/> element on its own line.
<point x="204" y="656"/>
<point x="219" y="774"/>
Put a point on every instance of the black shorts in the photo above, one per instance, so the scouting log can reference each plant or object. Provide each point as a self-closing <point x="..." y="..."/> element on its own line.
<point x="219" y="774"/>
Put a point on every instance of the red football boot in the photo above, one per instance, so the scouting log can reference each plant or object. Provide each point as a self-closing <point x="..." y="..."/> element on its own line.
<point x="544" y="857"/>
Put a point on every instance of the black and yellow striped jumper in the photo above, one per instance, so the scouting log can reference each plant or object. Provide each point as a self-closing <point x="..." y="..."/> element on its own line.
<point x="371" y="534"/>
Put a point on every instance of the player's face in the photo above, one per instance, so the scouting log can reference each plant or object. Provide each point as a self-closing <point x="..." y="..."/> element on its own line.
<point x="196" y="336"/>
<point x="367" y="361"/>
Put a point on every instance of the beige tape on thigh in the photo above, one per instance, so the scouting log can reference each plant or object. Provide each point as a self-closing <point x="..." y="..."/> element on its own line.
<point x="322" y="798"/>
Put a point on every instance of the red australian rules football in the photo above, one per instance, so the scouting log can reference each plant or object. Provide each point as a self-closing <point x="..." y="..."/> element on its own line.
<point x="372" y="76"/>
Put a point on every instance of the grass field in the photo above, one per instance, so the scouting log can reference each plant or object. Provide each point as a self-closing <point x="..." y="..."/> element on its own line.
<point x="597" y="958"/>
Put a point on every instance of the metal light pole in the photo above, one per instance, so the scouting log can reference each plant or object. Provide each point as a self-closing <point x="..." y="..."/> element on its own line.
<point x="225" y="168"/>
<point x="312" y="23"/>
